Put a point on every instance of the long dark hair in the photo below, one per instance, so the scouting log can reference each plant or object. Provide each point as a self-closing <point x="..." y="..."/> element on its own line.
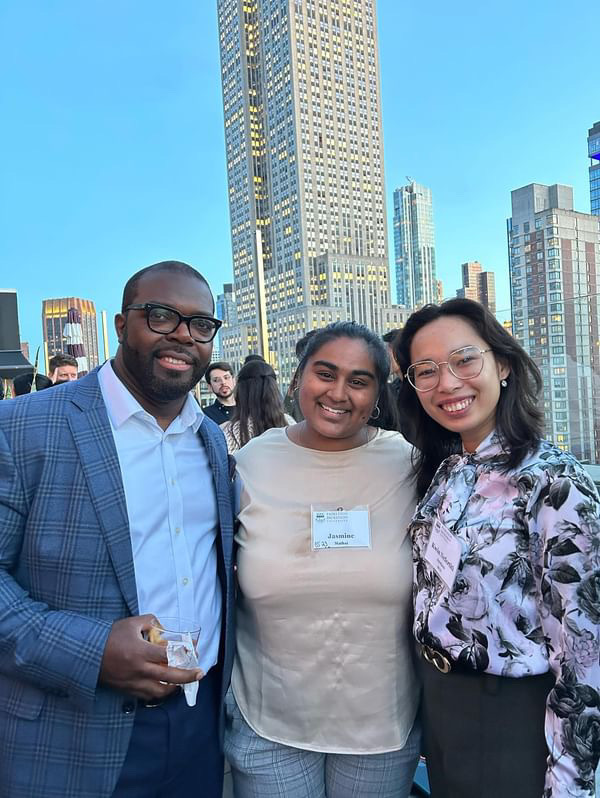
<point x="518" y="418"/>
<point x="351" y="329"/>
<point x="258" y="403"/>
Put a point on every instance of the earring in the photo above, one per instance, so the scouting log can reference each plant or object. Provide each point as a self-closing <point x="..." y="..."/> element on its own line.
<point x="503" y="383"/>
<point x="376" y="408"/>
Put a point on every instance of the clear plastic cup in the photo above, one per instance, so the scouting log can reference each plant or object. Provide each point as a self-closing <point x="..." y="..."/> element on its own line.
<point x="180" y="630"/>
<point x="180" y="637"/>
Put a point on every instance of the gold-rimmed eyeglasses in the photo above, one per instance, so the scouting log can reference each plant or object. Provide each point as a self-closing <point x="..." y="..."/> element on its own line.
<point x="465" y="363"/>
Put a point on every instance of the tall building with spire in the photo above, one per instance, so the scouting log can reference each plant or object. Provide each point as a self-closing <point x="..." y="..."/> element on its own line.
<point x="414" y="246"/>
<point x="594" y="154"/>
<point x="554" y="255"/>
<point x="304" y="149"/>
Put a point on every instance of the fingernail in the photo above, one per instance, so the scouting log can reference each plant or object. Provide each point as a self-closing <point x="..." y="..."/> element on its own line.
<point x="200" y="675"/>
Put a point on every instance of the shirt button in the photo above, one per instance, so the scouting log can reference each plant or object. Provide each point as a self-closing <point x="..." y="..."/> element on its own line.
<point x="177" y="530"/>
<point x="172" y="481"/>
<point x="185" y="580"/>
<point x="128" y="707"/>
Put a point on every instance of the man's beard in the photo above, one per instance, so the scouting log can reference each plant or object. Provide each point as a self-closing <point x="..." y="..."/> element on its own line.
<point x="161" y="389"/>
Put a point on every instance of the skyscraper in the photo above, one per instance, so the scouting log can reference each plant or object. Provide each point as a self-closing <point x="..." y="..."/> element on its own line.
<point x="554" y="258"/>
<point x="594" y="153"/>
<point x="304" y="149"/>
<point x="54" y="319"/>
<point x="227" y="312"/>
<point x="478" y="284"/>
<point x="414" y="246"/>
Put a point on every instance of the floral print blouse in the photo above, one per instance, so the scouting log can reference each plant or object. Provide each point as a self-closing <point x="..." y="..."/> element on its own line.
<point x="526" y="597"/>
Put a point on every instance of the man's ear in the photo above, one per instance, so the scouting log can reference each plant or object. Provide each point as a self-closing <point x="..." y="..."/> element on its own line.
<point x="120" y="323"/>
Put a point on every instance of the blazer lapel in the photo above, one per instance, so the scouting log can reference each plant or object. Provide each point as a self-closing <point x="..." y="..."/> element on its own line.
<point x="94" y="441"/>
<point x="219" y="465"/>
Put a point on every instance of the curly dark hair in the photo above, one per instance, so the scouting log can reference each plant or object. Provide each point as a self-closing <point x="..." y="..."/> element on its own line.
<point x="519" y="420"/>
<point x="258" y="403"/>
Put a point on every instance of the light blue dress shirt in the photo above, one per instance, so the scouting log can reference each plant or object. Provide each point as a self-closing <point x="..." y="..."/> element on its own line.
<point x="172" y="511"/>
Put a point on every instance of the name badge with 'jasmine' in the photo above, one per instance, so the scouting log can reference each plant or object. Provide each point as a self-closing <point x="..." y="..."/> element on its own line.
<point x="443" y="553"/>
<point x="340" y="529"/>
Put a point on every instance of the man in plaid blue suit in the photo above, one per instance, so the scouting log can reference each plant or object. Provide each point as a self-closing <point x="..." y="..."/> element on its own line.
<point x="116" y="508"/>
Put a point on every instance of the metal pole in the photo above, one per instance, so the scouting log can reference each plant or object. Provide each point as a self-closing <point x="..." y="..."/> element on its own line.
<point x="105" y="335"/>
<point x="263" y="336"/>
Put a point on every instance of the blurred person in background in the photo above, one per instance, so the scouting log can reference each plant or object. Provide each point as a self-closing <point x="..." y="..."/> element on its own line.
<point x="220" y="378"/>
<point x="62" y="368"/>
<point x="506" y="550"/>
<point x="22" y="384"/>
<point x="390" y="416"/>
<point x="395" y="371"/>
<point x="258" y="405"/>
<point x="324" y="693"/>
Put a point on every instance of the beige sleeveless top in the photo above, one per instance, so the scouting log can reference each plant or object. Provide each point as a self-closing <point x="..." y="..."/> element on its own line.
<point x="324" y="652"/>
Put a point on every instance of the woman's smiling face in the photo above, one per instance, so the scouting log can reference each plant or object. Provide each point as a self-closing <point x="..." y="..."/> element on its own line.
<point x="467" y="407"/>
<point x="337" y="392"/>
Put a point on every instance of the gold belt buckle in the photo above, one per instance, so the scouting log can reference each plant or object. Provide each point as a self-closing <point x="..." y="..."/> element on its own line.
<point x="436" y="658"/>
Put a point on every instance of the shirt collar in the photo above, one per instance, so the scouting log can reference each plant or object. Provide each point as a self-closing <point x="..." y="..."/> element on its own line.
<point x="121" y="405"/>
<point x="488" y="448"/>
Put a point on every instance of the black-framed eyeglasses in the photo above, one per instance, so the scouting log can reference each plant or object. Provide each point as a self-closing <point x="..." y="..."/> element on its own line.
<point x="465" y="363"/>
<point x="164" y="320"/>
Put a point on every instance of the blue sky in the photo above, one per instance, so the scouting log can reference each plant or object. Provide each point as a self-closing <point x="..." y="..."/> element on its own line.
<point x="112" y="151"/>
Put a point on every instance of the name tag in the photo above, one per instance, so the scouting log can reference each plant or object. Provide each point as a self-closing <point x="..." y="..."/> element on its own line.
<point x="443" y="553"/>
<point x="340" y="529"/>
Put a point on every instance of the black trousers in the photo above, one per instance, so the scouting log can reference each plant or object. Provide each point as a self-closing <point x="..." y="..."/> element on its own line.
<point x="175" y="750"/>
<point x="484" y="735"/>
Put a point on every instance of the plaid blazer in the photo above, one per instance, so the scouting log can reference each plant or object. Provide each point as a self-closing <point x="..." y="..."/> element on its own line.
<point x="66" y="573"/>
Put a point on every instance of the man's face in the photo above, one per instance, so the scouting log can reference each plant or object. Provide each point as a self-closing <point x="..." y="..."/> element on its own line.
<point x="164" y="367"/>
<point x="222" y="383"/>
<point x="64" y="374"/>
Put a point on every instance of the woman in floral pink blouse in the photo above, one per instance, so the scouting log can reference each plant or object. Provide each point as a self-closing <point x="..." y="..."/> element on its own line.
<point x="506" y="550"/>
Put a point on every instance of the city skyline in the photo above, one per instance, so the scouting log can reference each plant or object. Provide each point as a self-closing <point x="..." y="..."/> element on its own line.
<point x="304" y="146"/>
<point x="121" y="162"/>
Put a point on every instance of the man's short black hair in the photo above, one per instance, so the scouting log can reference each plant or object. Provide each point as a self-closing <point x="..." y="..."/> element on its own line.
<point x="390" y="337"/>
<point x="173" y="266"/>
<point x="60" y="359"/>
<point x="219" y="364"/>
<point x="250" y="358"/>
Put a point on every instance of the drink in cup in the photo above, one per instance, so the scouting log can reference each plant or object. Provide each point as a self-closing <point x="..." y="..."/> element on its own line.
<point x="180" y="637"/>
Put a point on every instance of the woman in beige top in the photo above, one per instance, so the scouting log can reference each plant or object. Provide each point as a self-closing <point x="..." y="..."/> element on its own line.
<point x="324" y="694"/>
